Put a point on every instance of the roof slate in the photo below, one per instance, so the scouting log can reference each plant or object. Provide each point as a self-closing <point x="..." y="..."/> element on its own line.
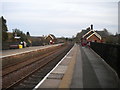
<point x="102" y="33"/>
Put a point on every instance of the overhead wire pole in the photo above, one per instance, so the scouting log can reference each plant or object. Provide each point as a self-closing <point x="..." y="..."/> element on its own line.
<point x="0" y="52"/>
<point x="1" y="44"/>
<point x="119" y="17"/>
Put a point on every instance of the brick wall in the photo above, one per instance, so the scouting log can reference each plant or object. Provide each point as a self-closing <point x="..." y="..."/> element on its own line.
<point x="94" y="38"/>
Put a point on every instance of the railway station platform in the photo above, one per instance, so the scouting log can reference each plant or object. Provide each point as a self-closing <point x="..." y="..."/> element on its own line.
<point x="12" y="52"/>
<point x="80" y="68"/>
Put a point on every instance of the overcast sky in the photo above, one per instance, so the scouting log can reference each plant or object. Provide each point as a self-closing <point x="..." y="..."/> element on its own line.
<point x="60" y="17"/>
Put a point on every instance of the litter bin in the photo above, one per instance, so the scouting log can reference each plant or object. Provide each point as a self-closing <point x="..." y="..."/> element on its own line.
<point x="20" y="46"/>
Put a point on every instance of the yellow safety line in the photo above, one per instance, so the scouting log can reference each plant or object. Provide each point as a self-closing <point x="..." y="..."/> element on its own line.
<point x="66" y="81"/>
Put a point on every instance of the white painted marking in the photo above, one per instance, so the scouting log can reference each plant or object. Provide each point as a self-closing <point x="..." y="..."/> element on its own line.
<point x="83" y="47"/>
<point x="38" y="85"/>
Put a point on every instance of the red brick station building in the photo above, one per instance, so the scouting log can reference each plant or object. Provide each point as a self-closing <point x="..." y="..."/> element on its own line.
<point x="90" y="35"/>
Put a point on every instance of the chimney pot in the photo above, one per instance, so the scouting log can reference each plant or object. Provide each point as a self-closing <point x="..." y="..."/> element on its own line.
<point x="91" y="27"/>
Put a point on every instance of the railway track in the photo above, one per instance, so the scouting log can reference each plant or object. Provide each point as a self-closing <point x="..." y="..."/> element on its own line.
<point x="16" y="59"/>
<point x="28" y="74"/>
<point x="15" y="66"/>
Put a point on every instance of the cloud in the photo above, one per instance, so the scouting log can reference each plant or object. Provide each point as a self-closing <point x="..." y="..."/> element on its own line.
<point x="59" y="1"/>
<point x="55" y="15"/>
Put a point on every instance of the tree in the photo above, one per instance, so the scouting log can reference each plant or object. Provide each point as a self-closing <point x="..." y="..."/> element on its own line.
<point x="23" y="37"/>
<point x="113" y="39"/>
<point x="28" y="34"/>
<point x="106" y="31"/>
<point x="18" y="33"/>
<point x="66" y="39"/>
<point x="4" y="29"/>
<point x="88" y="28"/>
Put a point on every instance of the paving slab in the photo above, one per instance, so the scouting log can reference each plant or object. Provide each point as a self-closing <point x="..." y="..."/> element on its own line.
<point x="61" y="69"/>
<point x="55" y="76"/>
<point x="50" y="83"/>
<point x="65" y="62"/>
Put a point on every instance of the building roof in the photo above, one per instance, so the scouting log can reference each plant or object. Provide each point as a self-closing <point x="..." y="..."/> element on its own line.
<point x="90" y="33"/>
<point x="102" y="33"/>
<point x="36" y="38"/>
<point x="51" y="36"/>
<point x="83" y="32"/>
<point x="99" y="33"/>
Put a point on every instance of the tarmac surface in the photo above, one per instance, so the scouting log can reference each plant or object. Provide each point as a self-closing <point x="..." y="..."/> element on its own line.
<point x="80" y="68"/>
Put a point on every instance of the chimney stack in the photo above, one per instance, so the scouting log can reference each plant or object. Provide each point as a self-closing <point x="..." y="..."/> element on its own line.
<point x="91" y="27"/>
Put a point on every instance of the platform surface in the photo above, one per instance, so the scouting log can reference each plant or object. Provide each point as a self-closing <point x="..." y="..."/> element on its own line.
<point x="6" y="53"/>
<point x="80" y="68"/>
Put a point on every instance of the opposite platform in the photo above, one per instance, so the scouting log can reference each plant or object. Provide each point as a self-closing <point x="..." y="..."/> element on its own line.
<point x="12" y="52"/>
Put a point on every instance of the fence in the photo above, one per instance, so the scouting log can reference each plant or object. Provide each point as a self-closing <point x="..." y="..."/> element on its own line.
<point x="6" y="45"/>
<point x="110" y="53"/>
